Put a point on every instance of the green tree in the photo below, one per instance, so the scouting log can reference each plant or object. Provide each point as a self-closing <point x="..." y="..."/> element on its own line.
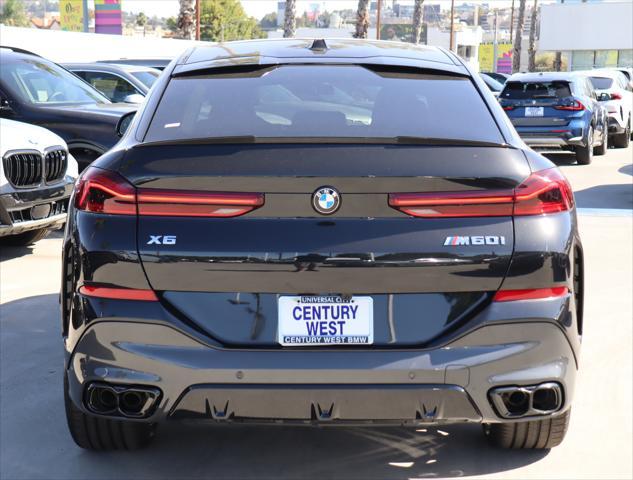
<point x="13" y="14"/>
<point x="225" y="20"/>
<point x="141" y="19"/>
<point x="269" y="21"/>
<point x="172" y="24"/>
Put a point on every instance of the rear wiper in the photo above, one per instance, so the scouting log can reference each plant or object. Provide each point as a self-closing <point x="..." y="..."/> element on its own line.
<point x="444" y="141"/>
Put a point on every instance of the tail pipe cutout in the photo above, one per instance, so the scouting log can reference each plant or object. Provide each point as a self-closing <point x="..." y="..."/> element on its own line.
<point x="121" y="401"/>
<point x="516" y="402"/>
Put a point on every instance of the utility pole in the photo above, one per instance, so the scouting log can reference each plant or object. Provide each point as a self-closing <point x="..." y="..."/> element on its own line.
<point x="452" y="40"/>
<point x="495" y="44"/>
<point x="512" y="22"/>
<point x="378" y="5"/>
<point x="197" y="19"/>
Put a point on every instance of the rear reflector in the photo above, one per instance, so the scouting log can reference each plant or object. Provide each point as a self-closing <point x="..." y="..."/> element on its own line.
<point x="530" y="294"/>
<point x="102" y="191"/>
<point x="118" y="293"/>
<point x="542" y="192"/>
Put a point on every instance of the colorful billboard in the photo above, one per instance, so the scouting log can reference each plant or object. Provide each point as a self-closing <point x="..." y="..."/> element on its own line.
<point x="504" y="57"/>
<point x="71" y="15"/>
<point x="108" y="17"/>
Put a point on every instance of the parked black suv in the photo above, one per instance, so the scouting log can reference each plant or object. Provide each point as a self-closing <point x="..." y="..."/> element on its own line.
<point x="38" y="91"/>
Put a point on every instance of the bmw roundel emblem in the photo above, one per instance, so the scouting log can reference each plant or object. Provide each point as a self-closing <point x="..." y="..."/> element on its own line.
<point x="326" y="200"/>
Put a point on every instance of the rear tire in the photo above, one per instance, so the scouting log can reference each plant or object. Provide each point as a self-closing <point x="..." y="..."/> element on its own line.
<point x="533" y="434"/>
<point x="584" y="155"/>
<point x="102" y="434"/>
<point x="25" y="238"/>
<point x="604" y="146"/>
<point x="622" y="140"/>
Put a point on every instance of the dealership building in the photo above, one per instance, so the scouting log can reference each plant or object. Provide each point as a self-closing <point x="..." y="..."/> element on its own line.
<point x="591" y="35"/>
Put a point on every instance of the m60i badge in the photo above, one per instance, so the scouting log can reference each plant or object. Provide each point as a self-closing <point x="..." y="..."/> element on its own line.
<point x="475" y="240"/>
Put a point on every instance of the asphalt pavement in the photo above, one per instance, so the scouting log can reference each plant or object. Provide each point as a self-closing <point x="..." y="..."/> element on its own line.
<point x="35" y="444"/>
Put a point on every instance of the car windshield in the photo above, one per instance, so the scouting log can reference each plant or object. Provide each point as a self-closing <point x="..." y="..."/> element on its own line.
<point x="38" y="81"/>
<point x="530" y="90"/>
<point x="601" y="83"/>
<point x="146" y="77"/>
<point x="323" y="101"/>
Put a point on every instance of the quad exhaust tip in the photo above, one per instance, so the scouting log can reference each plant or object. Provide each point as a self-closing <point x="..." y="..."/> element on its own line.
<point x="517" y="402"/>
<point x="120" y="400"/>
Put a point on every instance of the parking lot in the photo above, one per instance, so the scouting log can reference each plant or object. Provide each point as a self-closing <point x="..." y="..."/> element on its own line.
<point x="35" y="442"/>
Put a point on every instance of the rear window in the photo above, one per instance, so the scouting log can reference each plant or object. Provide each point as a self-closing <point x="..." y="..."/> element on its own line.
<point x="322" y="101"/>
<point x="529" y="90"/>
<point x="601" y="83"/>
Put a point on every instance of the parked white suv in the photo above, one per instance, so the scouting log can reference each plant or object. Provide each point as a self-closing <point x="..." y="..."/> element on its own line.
<point x="617" y="98"/>
<point x="37" y="175"/>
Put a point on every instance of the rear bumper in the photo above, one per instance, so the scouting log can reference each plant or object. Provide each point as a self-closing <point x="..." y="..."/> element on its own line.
<point x="446" y="384"/>
<point x="615" y="125"/>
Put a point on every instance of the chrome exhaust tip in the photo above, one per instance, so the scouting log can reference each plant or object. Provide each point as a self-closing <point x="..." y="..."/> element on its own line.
<point x="120" y="400"/>
<point x="517" y="402"/>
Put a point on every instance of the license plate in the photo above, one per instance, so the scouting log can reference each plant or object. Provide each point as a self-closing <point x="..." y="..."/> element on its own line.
<point x="533" y="111"/>
<point x="325" y="320"/>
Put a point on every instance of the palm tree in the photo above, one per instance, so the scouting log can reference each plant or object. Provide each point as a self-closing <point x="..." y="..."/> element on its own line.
<point x="362" y="19"/>
<point x="516" y="51"/>
<point x="186" y="19"/>
<point x="531" y="48"/>
<point x="417" y="20"/>
<point x="290" y="18"/>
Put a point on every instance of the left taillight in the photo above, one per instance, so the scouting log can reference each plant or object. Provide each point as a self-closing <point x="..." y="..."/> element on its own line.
<point x="543" y="192"/>
<point x="574" y="106"/>
<point x="102" y="191"/>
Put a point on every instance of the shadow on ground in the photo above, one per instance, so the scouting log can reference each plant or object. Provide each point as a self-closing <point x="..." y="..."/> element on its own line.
<point x="618" y="196"/>
<point x="8" y="252"/>
<point x="35" y="442"/>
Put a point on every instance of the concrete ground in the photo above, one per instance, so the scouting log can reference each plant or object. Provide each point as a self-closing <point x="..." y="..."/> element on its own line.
<point x="35" y="444"/>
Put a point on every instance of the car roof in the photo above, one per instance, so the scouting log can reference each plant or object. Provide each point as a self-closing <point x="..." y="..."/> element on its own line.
<point x="112" y="67"/>
<point x="309" y="50"/>
<point x="545" y="76"/>
<point x="604" y="72"/>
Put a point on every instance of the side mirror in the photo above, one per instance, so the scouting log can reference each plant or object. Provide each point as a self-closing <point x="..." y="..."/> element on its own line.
<point x="5" y="106"/>
<point x="134" y="98"/>
<point x="124" y="123"/>
<point x="604" y="97"/>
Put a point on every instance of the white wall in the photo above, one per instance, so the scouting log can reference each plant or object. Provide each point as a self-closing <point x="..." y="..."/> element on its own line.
<point x="587" y="26"/>
<point x="60" y="46"/>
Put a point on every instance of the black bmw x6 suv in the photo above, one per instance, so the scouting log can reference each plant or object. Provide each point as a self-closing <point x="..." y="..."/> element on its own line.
<point x="321" y="232"/>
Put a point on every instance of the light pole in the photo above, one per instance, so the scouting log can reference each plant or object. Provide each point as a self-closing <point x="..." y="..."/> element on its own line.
<point x="197" y="19"/>
<point x="378" y="5"/>
<point x="452" y="39"/>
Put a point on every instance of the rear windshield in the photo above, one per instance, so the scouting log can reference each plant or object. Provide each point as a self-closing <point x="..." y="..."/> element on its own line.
<point x="322" y="101"/>
<point x="529" y="90"/>
<point x="601" y="83"/>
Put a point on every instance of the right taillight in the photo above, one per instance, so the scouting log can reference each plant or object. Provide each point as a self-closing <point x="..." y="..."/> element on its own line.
<point x="546" y="191"/>
<point x="616" y="96"/>
<point x="102" y="191"/>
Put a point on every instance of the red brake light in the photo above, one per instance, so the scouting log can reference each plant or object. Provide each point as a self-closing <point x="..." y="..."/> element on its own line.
<point x="102" y="191"/>
<point x="118" y="293"/>
<point x="454" y="204"/>
<point x="616" y="96"/>
<point x="196" y="204"/>
<point x="543" y="192"/>
<point x="508" y="107"/>
<point x="574" y="106"/>
<point x="547" y="191"/>
<point x="530" y="294"/>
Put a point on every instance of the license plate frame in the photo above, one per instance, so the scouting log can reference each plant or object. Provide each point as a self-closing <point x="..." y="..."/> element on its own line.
<point x="534" y="111"/>
<point x="345" y="321"/>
